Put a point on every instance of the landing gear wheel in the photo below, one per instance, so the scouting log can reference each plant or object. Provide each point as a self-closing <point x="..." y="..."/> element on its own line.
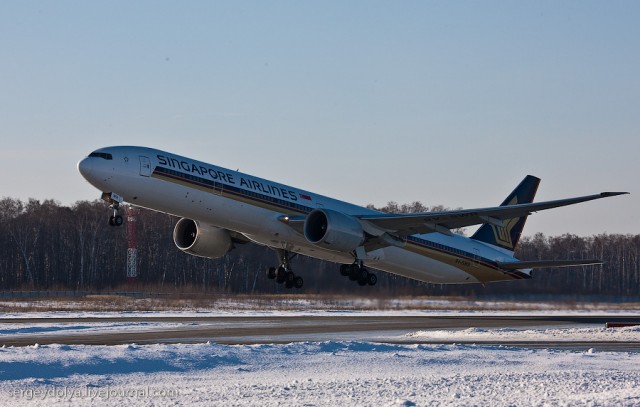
<point x="358" y="273"/>
<point x="298" y="282"/>
<point x="372" y="279"/>
<point x="344" y="270"/>
<point x="354" y="270"/>
<point x="271" y="273"/>
<point x="115" y="219"/>
<point x="289" y="277"/>
<point x="281" y="274"/>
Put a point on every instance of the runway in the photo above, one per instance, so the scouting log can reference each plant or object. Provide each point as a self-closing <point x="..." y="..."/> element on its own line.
<point x="247" y="330"/>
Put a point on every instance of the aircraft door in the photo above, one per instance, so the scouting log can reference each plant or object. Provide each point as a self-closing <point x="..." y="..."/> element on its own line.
<point x="145" y="166"/>
<point x="476" y="257"/>
<point x="217" y="188"/>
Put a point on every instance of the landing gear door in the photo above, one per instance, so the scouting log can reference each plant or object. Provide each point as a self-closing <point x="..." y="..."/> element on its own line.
<point x="145" y="166"/>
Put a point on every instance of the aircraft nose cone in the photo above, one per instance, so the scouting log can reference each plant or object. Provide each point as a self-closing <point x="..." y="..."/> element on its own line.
<point x="84" y="167"/>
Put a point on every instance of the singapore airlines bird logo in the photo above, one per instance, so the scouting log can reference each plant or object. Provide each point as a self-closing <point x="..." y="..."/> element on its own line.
<point x="503" y="233"/>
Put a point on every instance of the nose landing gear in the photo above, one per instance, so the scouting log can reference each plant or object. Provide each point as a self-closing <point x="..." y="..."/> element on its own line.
<point x="114" y="200"/>
<point x="115" y="219"/>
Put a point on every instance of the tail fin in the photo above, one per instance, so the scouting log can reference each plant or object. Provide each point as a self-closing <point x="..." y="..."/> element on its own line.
<point x="508" y="235"/>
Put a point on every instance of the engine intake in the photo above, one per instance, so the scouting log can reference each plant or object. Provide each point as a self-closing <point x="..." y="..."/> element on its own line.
<point x="197" y="239"/>
<point x="333" y="230"/>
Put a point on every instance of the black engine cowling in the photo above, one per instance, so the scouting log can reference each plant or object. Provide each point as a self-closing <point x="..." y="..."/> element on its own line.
<point x="333" y="230"/>
<point x="201" y="240"/>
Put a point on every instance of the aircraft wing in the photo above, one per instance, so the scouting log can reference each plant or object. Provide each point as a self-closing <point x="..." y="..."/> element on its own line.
<point x="443" y="222"/>
<point x="515" y="265"/>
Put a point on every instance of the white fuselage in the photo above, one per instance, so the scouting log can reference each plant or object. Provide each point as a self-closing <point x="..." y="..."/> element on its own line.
<point x="252" y="206"/>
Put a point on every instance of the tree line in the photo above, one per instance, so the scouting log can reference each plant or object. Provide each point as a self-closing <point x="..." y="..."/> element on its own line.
<point x="48" y="246"/>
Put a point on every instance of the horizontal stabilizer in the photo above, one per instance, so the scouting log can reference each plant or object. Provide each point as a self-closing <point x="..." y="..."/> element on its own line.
<point x="514" y="265"/>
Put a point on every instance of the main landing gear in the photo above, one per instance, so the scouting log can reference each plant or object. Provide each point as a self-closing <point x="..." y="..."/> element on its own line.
<point x="358" y="272"/>
<point x="283" y="274"/>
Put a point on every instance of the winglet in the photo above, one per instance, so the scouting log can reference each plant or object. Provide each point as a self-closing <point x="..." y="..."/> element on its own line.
<point x="608" y="194"/>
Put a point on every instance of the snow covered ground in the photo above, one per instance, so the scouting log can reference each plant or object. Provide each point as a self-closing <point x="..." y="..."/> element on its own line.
<point x="337" y="372"/>
<point x="323" y="373"/>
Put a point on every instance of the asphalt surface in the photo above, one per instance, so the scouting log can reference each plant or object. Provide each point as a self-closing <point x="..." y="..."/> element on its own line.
<point x="285" y="329"/>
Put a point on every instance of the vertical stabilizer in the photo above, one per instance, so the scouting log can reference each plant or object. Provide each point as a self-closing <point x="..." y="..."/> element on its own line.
<point x="508" y="235"/>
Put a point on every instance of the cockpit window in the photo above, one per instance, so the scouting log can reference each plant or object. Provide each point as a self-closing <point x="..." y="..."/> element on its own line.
<point x="106" y="156"/>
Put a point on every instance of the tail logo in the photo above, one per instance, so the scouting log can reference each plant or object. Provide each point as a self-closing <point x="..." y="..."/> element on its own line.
<point x="502" y="234"/>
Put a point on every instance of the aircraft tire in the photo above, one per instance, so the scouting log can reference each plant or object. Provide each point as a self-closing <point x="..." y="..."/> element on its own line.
<point x="271" y="273"/>
<point x="298" y="282"/>
<point x="344" y="270"/>
<point x="372" y="279"/>
<point x="281" y="274"/>
<point x="353" y="272"/>
<point x="289" y="277"/>
<point x="117" y="220"/>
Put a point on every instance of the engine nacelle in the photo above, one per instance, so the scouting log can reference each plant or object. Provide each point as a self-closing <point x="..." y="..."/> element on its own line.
<point x="201" y="240"/>
<point x="333" y="230"/>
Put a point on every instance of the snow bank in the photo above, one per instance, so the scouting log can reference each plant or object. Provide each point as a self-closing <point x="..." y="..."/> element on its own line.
<point x="626" y="334"/>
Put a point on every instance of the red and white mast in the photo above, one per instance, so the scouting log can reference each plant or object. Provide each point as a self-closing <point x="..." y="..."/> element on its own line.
<point x="132" y="245"/>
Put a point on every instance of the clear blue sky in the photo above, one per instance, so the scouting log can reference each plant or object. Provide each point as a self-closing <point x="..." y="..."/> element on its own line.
<point x="447" y="103"/>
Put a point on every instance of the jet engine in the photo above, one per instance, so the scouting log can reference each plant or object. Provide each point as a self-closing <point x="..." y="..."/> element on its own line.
<point x="333" y="230"/>
<point x="201" y="240"/>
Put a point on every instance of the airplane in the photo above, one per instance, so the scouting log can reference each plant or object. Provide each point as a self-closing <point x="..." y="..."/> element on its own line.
<point x="220" y="208"/>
